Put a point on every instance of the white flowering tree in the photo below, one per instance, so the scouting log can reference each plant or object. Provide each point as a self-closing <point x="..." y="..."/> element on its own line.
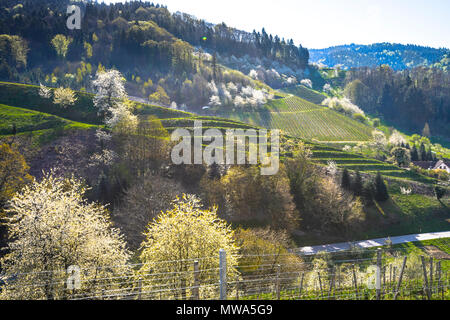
<point x="121" y="118"/>
<point x="52" y="227"/>
<point x="110" y="90"/>
<point x="396" y="139"/>
<point x="44" y="92"/>
<point x="342" y="105"/>
<point x="111" y="101"/>
<point x="307" y="83"/>
<point x="64" y="97"/>
<point x="179" y="236"/>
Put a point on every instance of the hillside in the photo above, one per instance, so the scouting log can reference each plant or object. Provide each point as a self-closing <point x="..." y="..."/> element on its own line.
<point x="296" y="117"/>
<point x="32" y="113"/>
<point x="306" y="94"/>
<point x="41" y="126"/>
<point x="300" y="118"/>
<point x="397" y="56"/>
<point x="165" y="57"/>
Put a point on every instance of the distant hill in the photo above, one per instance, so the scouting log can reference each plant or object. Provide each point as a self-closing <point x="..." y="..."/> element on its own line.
<point x="397" y="56"/>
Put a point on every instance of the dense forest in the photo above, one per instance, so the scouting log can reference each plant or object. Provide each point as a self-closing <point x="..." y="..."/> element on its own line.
<point x="414" y="99"/>
<point x="397" y="56"/>
<point x="172" y="57"/>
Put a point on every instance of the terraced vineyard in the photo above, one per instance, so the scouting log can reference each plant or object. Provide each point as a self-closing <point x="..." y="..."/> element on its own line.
<point x="306" y="93"/>
<point x="322" y="154"/>
<point x="300" y="118"/>
<point x="297" y="117"/>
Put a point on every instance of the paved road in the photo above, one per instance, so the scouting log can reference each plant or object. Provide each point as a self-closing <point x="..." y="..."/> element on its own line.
<point x="371" y="243"/>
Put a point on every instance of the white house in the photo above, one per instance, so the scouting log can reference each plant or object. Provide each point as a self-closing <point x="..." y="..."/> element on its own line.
<point x="441" y="165"/>
<point x="433" y="165"/>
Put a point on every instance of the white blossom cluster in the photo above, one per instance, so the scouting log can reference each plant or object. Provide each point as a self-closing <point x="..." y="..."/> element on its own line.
<point x="273" y="73"/>
<point x="53" y="226"/>
<point x="44" y="92"/>
<point x="104" y="158"/>
<point x="342" y="105"/>
<point x="307" y="83"/>
<point x="111" y="98"/>
<point x="237" y="95"/>
<point x="396" y="139"/>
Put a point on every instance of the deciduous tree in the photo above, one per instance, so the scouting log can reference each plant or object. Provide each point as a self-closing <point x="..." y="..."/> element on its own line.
<point x="53" y="227"/>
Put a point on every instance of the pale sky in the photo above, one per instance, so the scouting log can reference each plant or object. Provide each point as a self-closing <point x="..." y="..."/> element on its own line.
<point x="322" y="23"/>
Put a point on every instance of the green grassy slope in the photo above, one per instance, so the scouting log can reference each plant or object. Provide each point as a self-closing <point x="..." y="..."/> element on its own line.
<point x="306" y="94"/>
<point x="44" y="120"/>
<point x="41" y="126"/>
<point x="295" y="116"/>
<point x="27" y="96"/>
<point x="300" y="118"/>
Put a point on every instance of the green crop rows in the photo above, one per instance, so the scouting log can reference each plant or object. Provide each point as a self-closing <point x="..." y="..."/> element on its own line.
<point x="307" y="94"/>
<point x="300" y="118"/>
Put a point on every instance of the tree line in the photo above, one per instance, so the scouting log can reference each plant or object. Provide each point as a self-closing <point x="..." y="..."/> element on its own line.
<point x="417" y="100"/>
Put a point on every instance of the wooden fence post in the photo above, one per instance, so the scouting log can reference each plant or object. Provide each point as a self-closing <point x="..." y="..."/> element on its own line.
<point x="320" y="284"/>
<point x="339" y="277"/>
<point x="330" y="290"/>
<point x="431" y="275"/>
<point x="139" y="289"/>
<point x="426" y="287"/>
<point x="223" y="274"/>
<point x="378" y="275"/>
<point x="439" y="280"/>
<point x="390" y="277"/>
<point x="355" y="282"/>
<point x="196" y="288"/>
<point x="277" y="284"/>
<point x="301" y="286"/>
<point x="397" y="290"/>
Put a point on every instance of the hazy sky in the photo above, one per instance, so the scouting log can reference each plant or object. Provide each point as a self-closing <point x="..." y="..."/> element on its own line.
<point x="324" y="23"/>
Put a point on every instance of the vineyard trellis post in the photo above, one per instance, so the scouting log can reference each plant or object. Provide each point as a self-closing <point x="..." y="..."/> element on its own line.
<point x="378" y="275"/>
<point x="223" y="274"/>
<point x="139" y="296"/>
<point x="332" y="274"/>
<point x="438" y="267"/>
<point x="431" y="275"/>
<point x="196" y="288"/>
<point x="355" y="281"/>
<point x="278" y="281"/>
<point x="320" y="285"/>
<point x="301" y="286"/>
<point x="397" y="289"/>
<point x="426" y="286"/>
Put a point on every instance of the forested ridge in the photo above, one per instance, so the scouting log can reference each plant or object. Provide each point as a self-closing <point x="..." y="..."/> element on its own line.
<point x="397" y="56"/>
<point x="179" y="52"/>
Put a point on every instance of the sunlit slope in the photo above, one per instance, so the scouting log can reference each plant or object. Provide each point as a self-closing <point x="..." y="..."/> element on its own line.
<point x="306" y="93"/>
<point x="300" y="118"/>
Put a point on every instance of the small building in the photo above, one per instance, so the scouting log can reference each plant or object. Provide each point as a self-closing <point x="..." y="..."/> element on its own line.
<point x="433" y="165"/>
<point x="442" y="165"/>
